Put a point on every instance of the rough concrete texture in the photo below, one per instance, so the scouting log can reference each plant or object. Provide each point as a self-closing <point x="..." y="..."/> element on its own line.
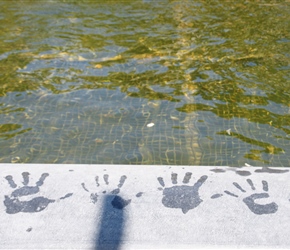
<point x="139" y="207"/>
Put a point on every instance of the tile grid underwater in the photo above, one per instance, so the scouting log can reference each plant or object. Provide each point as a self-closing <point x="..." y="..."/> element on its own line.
<point x="107" y="127"/>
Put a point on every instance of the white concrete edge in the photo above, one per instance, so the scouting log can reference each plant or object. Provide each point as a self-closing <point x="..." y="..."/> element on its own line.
<point x="55" y="206"/>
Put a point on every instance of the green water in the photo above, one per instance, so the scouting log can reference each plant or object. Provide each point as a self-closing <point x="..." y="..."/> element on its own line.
<point x="145" y="82"/>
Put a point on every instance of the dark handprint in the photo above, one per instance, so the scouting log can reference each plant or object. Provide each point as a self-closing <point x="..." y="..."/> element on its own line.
<point x="15" y="205"/>
<point x="250" y="200"/>
<point x="183" y="196"/>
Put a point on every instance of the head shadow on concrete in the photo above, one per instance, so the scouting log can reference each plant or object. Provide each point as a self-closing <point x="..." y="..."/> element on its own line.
<point x="111" y="225"/>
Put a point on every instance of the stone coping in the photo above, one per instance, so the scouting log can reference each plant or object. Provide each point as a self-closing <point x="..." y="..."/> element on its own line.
<point x="56" y="206"/>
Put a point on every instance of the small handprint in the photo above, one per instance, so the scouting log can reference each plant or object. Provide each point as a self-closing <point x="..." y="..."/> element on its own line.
<point x="183" y="196"/>
<point x="118" y="202"/>
<point x="250" y="201"/>
<point x="37" y="204"/>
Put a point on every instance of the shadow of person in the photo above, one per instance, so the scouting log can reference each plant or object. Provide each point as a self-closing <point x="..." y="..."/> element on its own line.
<point x="111" y="223"/>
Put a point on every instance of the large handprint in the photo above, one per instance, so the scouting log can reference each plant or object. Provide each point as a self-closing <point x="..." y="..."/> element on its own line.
<point x="185" y="197"/>
<point x="15" y="205"/>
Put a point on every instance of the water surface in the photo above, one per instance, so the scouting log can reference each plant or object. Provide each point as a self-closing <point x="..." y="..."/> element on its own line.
<point x="145" y="82"/>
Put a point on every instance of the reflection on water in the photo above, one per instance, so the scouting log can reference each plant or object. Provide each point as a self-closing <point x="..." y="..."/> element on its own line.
<point x="145" y="82"/>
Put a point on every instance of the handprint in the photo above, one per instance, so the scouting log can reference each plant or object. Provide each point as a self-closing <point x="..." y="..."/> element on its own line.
<point x="118" y="202"/>
<point x="250" y="201"/>
<point x="183" y="196"/>
<point x="15" y="205"/>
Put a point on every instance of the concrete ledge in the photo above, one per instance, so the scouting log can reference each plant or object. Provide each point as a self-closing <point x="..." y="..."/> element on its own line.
<point x="139" y="207"/>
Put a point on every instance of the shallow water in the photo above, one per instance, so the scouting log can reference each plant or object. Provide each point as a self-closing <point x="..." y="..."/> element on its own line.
<point x="145" y="82"/>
